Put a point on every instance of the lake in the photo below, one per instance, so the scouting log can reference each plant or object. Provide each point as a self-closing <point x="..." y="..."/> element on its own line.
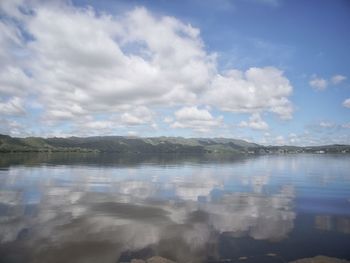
<point x="109" y="208"/>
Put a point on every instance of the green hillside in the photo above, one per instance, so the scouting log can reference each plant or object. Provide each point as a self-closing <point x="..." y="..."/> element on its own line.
<point x="120" y="144"/>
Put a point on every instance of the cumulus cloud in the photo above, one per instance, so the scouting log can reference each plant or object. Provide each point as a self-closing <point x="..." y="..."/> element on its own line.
<point x="103" y="73"/>
<point x="137" y="116"/>
<point x="197" y="119"/>
<point x="337" y="79"/>
<point x="318" y="83"/>
<point x="79" y="63"/>
<point x="125" y="62"/>
<point x="255" y="90"/>
<point x="346" y="103"/>
<point x="255" y="122"/>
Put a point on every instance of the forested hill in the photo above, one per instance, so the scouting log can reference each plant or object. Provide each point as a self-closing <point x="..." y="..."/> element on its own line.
<point x="121" y="144"/>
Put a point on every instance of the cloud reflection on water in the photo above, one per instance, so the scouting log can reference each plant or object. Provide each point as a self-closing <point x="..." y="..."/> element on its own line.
<point x="98" y="213"/>
<point x="108" y="215"/>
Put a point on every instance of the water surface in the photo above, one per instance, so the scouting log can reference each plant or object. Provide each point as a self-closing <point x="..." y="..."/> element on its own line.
<point x="109" y="208"/>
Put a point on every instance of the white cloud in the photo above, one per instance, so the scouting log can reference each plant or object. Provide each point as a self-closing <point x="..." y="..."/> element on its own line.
<point x="279" y="140"/>
<point x="13" y="81"/>
<point x="318" y="83"/>
<point x="90" y="126"/>
<point x="168" y="119"/>
<point x="79" y="63"/>
<point x="256" y="90"/>
<point x="11" y="127"/>
<point x="132" y="133"/>
<point x="11" y="7"/>
<point x="69" y="111"/>
<point x="325" y="124"/>
<point x="346" y="125"/>
<point x="293" y="139"/>
<point x="14" y="106"/>
<point x="315" y="136"/>
<point x="197" y="119"/>
<point x="346" y="103"/>
<point x="337" y="79"/>
<point x="137" y="116"/>
<point x="100" y="125"/>
<point x="97" y="63"/>
<point x="10" y="38"/>
<point x="103" y="72"/>
<point x="272" y="139"/>
<point x="255" y="122"/>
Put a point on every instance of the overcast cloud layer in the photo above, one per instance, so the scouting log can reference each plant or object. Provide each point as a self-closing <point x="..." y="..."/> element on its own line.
<point x="75" y="70"/>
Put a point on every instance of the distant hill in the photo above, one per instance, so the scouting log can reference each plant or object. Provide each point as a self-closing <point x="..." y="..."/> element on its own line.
<point x="121" y="144"/>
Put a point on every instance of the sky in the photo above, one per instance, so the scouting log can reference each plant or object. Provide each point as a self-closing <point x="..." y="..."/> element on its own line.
<point x="275" y="72"/>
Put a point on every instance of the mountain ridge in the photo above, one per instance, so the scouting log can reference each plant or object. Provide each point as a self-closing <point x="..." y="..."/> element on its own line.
<point x="132" y="144"/>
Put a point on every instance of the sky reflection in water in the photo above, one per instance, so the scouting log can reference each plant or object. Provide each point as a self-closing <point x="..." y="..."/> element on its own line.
<point x="188" y="211"/>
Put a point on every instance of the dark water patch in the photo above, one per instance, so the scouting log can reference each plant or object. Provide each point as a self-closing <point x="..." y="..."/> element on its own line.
<point x="304" y="241"/>
<point x="130" y="211"/>
<point x="115" y="159"/>
<point x="323" y="205"/>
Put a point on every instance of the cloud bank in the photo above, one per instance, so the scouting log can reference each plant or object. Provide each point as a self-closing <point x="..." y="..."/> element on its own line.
<point x="79" y="65"/>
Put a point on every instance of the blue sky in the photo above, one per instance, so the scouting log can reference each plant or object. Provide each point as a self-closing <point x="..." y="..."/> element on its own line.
<point x="268" y="71"/>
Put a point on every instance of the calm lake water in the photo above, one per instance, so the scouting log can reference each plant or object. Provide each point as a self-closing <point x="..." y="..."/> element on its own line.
<point x="107" y="208"/>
